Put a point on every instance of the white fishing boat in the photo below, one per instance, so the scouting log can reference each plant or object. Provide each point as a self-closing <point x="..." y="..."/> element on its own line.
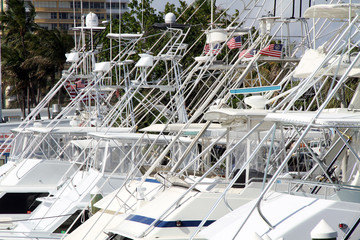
<point x="190" y="195"/>
<point x="88" y="163"/>
<point x="102" y="166"/>
<point x="330" y="195"/>
<point x="324" y="202"/>
<point x="185" y="169"/>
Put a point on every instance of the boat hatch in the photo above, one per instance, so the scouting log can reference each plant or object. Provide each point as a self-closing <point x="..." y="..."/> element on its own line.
<point x="113" y="236"/>
<point x="70" y="222"/>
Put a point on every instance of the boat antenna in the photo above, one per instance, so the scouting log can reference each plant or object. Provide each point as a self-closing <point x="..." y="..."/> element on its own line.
<point x="274" y="8"/>
<point x="142" y="16"/>
<point x="300" y="9"/>
<point x="119" y="39"/>
<point x="349" y="39"/>
<point x="74" y="13"/>
<point x="293" y="10"/>
<point x="110" y="30"/>
<point x="82" y="23"/>
<point x="212" y="14"/>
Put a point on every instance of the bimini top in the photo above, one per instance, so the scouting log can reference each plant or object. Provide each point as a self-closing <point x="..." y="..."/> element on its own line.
<point x="214" y="130"/>
<point x="175" y="127"/>
<point x="94" y="29"/>
<point x="229" y="114"/>
<point x="239" y="120"/>
<point x="332" y="11"/>
<point x="124" y="36"/>
<point x="134" y="137"/>
<point x="336" y="117"/>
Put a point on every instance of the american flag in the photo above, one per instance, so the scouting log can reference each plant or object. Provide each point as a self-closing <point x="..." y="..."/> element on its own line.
<point x="71" y="88"/>
<point x="273" y="50"/>
<point x="5" y="137"/>
<point x="235" y="42"/>
<point x="206" y="48"/>
<point x="249" y="54"/>
<point x="215" y="50"/>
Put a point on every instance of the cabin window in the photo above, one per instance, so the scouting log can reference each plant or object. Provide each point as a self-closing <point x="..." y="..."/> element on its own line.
<point x="20" y="203"/>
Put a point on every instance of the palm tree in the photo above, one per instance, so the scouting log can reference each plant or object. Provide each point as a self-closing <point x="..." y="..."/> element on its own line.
<point x="14" y="75"/>
<point x="18" y="25"/>
<point x="53" y="46"/>
<point x="32" y="56"/>
<point x="18" y="22"/>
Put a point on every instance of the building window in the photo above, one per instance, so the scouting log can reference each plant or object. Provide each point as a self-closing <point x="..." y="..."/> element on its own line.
<point x="53" y="15"/>
<point x="113" y="5"/>
<point x="63" y="15"/>
<point x="45" y="4"/>
<point x="77" y="16"/>
<point x="97" y="5"/>
<point x="53" y="26"/>
<point x="64" y="4"/>
<point x="77" y="5"/>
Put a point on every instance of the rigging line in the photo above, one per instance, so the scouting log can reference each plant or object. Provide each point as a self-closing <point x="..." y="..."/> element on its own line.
<point x="34" y="219"/>
<point x="197" y="9"/>
<point x="185" y="10"/>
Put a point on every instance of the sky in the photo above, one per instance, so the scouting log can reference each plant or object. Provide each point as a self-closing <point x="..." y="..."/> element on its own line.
<point x="233" y="4"/>
<point x="284" y="9"/>
<point x="160" y="4"/>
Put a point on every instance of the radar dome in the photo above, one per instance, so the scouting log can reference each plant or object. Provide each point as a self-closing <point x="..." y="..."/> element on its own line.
<point x="170" y="18"/>
<point x="92" y="20"/>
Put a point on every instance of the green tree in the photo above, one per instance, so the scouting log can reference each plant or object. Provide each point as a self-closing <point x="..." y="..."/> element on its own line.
<point x="139" y="19"/>
<point x="32" y="57"/>
<point x="18" y="25"/>
<point x="53" y="46"/>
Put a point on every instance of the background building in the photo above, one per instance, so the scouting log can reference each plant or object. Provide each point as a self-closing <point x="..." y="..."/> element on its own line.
<point x="60" y="14"/>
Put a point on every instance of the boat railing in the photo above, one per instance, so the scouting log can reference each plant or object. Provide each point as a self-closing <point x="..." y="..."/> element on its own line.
<point x="328" y="189"/>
